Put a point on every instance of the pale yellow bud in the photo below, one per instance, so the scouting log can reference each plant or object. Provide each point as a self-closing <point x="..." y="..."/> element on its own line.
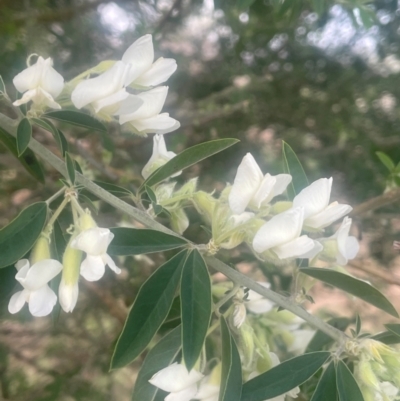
<point x="246" y="336"/>
<point x="86" y="222"/>
<point x="204" y="204"/>
<point x="366" y="374"/>
<point x="72" y="263"/>
<point x="280" y="207"/>
<point x="215" y="377"/>
<point x="41" y="250"/>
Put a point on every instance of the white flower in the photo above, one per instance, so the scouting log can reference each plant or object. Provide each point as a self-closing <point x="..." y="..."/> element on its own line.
<point x="94" y="242"/>
<point x="318" y="213"/>
<point x="106" y="92"/>
<point x="256" y="303"/>
<point x="175" y="379"/>
<point x="143" y="72"/>
<point x="40" y="297"/>
<point x="147" y="118"/>
<point x="281" y="235"/>
<point x="239" y="315"/>
<point x="40" y="83"/>
<point x="252" y="188"/>
<point x="207" y="390"/>
<point x="68" y="295"/>
<point x="340" y="246"/>
<point x="159" y="157"/>
<point x="301" y="338"/>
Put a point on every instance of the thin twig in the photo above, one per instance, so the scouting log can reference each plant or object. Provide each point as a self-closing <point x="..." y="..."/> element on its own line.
<point x="376" y="203"/>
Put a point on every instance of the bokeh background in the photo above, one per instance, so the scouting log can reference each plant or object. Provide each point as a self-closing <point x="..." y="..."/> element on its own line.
<point x="321" y="75"/>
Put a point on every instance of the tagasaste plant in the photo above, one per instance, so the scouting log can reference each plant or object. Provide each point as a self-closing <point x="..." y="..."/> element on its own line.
<point x="217" y="340"/>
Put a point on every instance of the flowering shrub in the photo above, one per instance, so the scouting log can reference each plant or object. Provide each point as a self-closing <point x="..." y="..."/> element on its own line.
<point x="281" y="219"/>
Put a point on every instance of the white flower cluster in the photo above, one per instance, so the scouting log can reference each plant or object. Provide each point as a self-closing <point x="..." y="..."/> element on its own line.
<point x="35" y="275"/>
<point x="124" y="89"/>
<point x="280" y="238"/>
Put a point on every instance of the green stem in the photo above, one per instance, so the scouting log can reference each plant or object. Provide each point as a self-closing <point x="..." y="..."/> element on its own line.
<point x="49" y="226"/>
<point x="11" y="126"/>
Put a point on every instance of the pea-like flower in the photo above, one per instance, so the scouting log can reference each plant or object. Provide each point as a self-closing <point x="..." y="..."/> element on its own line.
<point x="251" y="188"/>
<point x="39" y="83"/>
<point x="318" y="212"/>
<point x="340" y="247"/>
<point x="175" y="379"/>
<point x="94" y="241"/>
<point x="256" y="303"/>
<point x="147" y="118"/>
<point x="280" y="236"/>
<point x="40" y="297"/>
<point x="159" y="157"/>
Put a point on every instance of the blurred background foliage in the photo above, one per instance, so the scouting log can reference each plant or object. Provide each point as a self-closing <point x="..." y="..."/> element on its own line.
<point x="322" y="75"/>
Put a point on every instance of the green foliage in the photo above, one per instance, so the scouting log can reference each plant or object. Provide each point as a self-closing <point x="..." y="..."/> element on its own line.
<point x="76" y="118"/>
<point x="70" y="168"/>
<point x="2" y="87"/>
<point x="18" y="237"/>
<point x="326" y="388"/>
<point x="59" y="137"/>
<point x="149" y="311"/>
<point x="196" y="306"/>
<point x="347" y="386"/>
<point x="159" y="357"/>
<point x="231" y="376"/>
<point x="24" y="135"/>
<point x="352" y="286"/>
<point x="132" y="241"/>
<point x="284" y="377"/>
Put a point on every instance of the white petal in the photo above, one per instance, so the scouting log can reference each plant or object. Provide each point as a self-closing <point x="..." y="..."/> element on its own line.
<point x="282" y="228"/>
<point x="282" y="181"/>
<point x="175" y="378"/>
<point x="108" y="261"/>
<point x="239" y="219"/>
<point x="158" y="73"/>
<point x="140" y="55"/>
<point x="27" y="97"/>
<point x="296" y="248"/>
<point x="93" y="268"/>
<point x="51" y="81"/>
<point x="93" y="241"/>
<point x="184" y="395"/>
<point x="98" y="88"/>
<point x="315" y="197"/>
<point x="22" y="263"/>
<point x="301" y="340"/>
<point x="326" y="217"/>
<point x="245" y="185"/>
<point x="207" y="390"/>
<point x="255" y="296"/>
<point x="42" y="301"/>
<point x="113" y="100"/>
<point x="161" y="124"/>
<point x="265" y="191"/>
<point x="260" y="306"/>
<point x="130" y="104"/>
<point x="318" y="247"/>
<point x="30" y="77"/>
<point x="17" y="301"/>
<point x="153" y="102"/>
<point x="68" y="296"/>
<point x="39" y="274"/>
<point x="352" y="247"/>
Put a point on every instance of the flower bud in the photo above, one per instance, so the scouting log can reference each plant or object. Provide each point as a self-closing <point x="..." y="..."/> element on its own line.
<point x="239" y="315"/>
<point x="247" y="343"/>
<point x="86" y="222"/>
<point x="280" y="207"/>
<point x="204" y="204"/>
<point x="41" y="250"/>
<point x="367" y="375"/>
<point x="179" y="220"/>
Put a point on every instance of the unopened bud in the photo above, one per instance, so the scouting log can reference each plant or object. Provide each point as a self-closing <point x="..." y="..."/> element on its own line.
<point x="280" y="207"/>
<point x="204" y="204"/>
<point x="41" y="250"/>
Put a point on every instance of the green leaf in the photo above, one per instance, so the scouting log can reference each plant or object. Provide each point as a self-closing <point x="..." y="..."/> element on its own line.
<point x="367" y="17"/>
<point x="358" y="324"/>
<point x="114" y="189"/>
<point x="196" y="306"/>
<point x="76" y="118"/>
<point x="151" y="194"/>
<point x="231" y="375"/>
<point x="149" y="311"/>
<point x="18" y="237"/>
<point x="320" y="339"/>
<point x="2" y="87"/>
<point x="132" y="241"/>
<point x="58" y="136"/>
<point x="187" y="158"/>
<point x="386" y="161"/>
<point x="284" y="377"/>
<point x="28" y="159"/>
<point x="347" y="386"/>
<point x="24" y="135"/>
<point x="394" y="328"/>
<point x="159" y="357"/>
<point x="387" y="337"/>
<point x="326" y="388"/>
<point x="70" y="167"/>
<point x="292" y="166"/>
<point x="353" y="286"/>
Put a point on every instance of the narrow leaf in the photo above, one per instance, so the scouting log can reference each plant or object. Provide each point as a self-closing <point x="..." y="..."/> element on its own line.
<point x="114" y="189"/>
<point x="58" y="136"/>
<point x="284" y="377"/>
<point x="196" y="306"/>
<point x="151" y="194"/>
<point x="28" y="159"/>
<point x="132" y="241"/>
<point x="321" y="340"/>
<point x="24" y="135"/>
<point x="187" y="158"/>
<point x="2" y="86"/>
<point x="386" y="160"/>
<point x="149" y="311"/>
<point x="353" y="286"/>
<point x="326" y="388"/>
<point x="76" y="118"/>
<point x="347" y="386"/>
<point x="231" y="375"/>
<point x="394" y="328"/>
<point x="159" y="357"/>
<point x="292" y="166"/>
<point x="70" y="168"/>
<point x="18" y="237"/>
<point x="387" y="337"/>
